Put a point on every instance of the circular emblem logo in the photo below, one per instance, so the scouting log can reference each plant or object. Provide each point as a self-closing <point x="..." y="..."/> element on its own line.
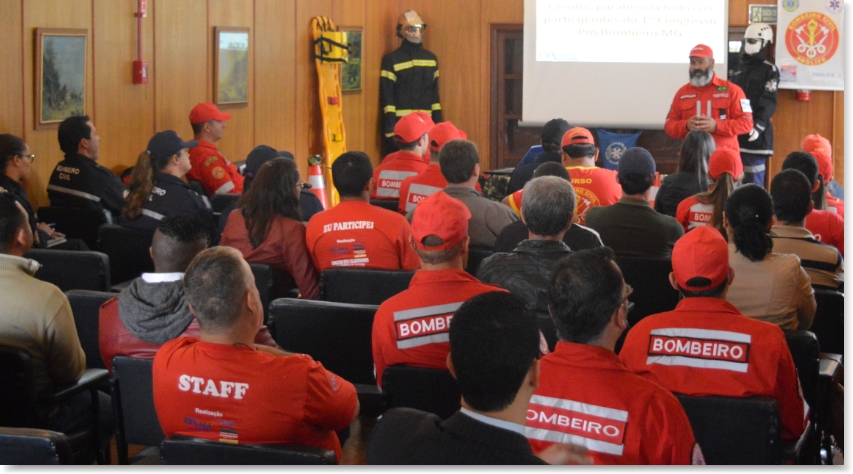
<point x="586" y="201"/>
<point x="613" y="152"/>
<point x="218" y="173"/>
<point x="790" y="5"/>
<point x="812" y="38"/>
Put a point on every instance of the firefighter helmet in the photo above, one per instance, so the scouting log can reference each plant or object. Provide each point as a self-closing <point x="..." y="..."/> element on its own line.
<point x="411" y="26"/>
<point x="757" y="37"/>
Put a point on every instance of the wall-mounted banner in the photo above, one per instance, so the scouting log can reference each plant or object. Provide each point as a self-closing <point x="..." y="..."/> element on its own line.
<point x="810" y="44"/>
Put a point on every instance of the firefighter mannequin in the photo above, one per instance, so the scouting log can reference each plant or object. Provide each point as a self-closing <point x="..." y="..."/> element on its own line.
<point x="759" y="80"/>
<point x="409" y="79"/>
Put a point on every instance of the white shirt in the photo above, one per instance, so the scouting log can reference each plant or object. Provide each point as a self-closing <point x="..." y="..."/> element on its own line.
<point x="162" y="277"/>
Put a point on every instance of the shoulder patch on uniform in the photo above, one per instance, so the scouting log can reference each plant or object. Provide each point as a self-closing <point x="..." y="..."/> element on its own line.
<point x="218" y="172"/>
<point x="771" y="85"/>
<point x="745" y="105"/>
<point x="209" y="161"/>
<point x="722" y="88"/>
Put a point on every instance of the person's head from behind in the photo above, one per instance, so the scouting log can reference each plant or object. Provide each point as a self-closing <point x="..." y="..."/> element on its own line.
<point x="441" y="134"/>
<point x="821" y="149"/>
<point x="695" y="151"/>
<point x="578" y="144"/>
<point x="177" y="240"/>
<point x="748" y="219"/>
<point x="459" y="161"/>
<point x="700" y="264"/>
<point x="551" y="169"/>
<point x="494" y="351"/>
<point x="549" y="205"/>
<point x="77" y="135"/>
<point x="16" y="235"/>
<point x="792" y="197"/>
<point x="352" y="174"/>
<point x="725" y="172"/>
<point x="552" y="134"/>
<point x="259" y="156"/>
<point x="806" y="163"/>
<point x="440" y="231"/>
<point x="636" y="171"/>
<point x="275" y="192"/>
<point x="587" y="298"/>
<point x="412" y="132"/>
<point x="221" y="292"/>
<point x="15" y="157"/>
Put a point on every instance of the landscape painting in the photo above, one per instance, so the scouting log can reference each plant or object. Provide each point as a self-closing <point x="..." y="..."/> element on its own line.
<point x="231" y="65"/>
<point x="60" y="74"/>
<point x="351" y="70"/>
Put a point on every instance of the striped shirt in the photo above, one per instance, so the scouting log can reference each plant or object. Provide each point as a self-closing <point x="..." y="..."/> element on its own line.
<point x="823" y="263"/>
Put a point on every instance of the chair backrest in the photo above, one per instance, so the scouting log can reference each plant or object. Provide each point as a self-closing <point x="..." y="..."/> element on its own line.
<point x="735" y="430"/>
<point x="72" y="269"/>
<point x="179" y="449"/>
<point x="476" y="255"/>
<point x="128" y="250"/>
<point x="197" y="187"/>
<point x="75" y="223"/>
<point x="18" y="389"/>
<point x="650" y="279"/>
<point x="362" y="285"/>
<point x="86" y="307"/>
<point x="430" y="390"/>
<point x="390" y="204"/>
<point x="806" y="354"/>
<point x="338" y="335"/>
<point x="220" y="201"/>
<point x="133" y="402"/>
<point x="27" y="446"/>
<point x="828" y="324"/>
<point x="263" y="281"/>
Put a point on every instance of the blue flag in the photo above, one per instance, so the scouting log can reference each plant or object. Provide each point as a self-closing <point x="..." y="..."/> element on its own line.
<point x="612" y="145"/>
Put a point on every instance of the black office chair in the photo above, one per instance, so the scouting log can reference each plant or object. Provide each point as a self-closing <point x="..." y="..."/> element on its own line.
<point x="75" y="223"/>
<point x="652" y="291"/>
<point x="220" y="201"/>
<point x="86" y="307"/>
<point x="72" y="270"/>
<point x="29" y="446"/>
<point x="477" y="254"/>
<point x="133" y="408"/>
<point x="362" y="285"/>
<point x="828" y="324"/>
<point x="806" y="354"/>
<point x="430" y="390"/>
<point x="390" y="204"/>
<point x="197" y="187"/>
<point x="179" y="449"/>
<point x="264" y="282"/>
<point x="128" y="251"/>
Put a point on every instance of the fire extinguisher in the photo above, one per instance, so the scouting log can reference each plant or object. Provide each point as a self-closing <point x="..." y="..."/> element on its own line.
<point x="803" y="95"/>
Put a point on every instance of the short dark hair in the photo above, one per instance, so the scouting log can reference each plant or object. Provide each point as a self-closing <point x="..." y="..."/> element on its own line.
<point x="804" y="162"/>
<point x="12" y="219"/>
<point x="552" y="169"/>
<point x="351" y="172"/>
<point x="71" y="131"/>
<point x="198" y="127"/>
<point x="792" y="195"/>
<point x="457" y="160"/>
<point x="634" y="183"/>
<point x="583" y="150"/>
<point x="183" y="238"/>
<point x="548" y="205"/>
<point x="215" y="286"/>
<point x="494" y="340"/>
<point x="584" y="292"/>
<point x="10" y="147"/>
<point x="409" y="146"/>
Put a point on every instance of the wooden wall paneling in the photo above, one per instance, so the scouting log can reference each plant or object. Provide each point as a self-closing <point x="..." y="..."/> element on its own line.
<point x="50" y="14"/>
<point x="795" y="119"/>
<point x="124" y="111"/>
<point x="355" y="124"/>
<point x="12" y="81"/>
<point x="379" y="40"/>
<point x="739" y="10"/>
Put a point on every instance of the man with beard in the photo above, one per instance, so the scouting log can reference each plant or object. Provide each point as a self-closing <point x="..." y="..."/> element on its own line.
<point x="709" y="103"/>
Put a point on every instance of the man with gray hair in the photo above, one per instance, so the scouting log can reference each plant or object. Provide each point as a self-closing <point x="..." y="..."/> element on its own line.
<point x="547" y="209"/>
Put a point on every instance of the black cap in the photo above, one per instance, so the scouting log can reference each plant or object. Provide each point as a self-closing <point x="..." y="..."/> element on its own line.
<point x="554" y="130"/>
<point x="638" y="161"/>
<point x="259" y="156"/>
<point x="165" y="144"/>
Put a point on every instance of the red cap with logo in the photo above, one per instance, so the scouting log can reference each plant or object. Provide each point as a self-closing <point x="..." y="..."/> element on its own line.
<point x="205" y="111"/>
<point x="577" y="136"/>
<point x="702" y="51"/>
<point x="821" y="149"/>
<point x="412" y="127"/>
<point x="701" y="253"/>
<point x="443" y="133"/>
<point x="724" y="160"/>
<point x="442" y="216"/>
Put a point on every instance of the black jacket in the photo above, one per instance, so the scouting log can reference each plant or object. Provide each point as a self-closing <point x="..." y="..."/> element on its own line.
<point x="674" y="189"/>
<point x="408" y="82"/>
<point x="78" y="181"/>
<point x="524" y="172"/>
<point x="577" y="238"/>
<point x="759" y="80"/>
<point x="14" y="188"/>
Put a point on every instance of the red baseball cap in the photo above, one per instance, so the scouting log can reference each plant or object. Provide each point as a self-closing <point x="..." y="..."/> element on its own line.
<point x="412" y="127"/>
<point x="205" y="111"/>
<point x="821" y="149"/>
<point x="442" y="216"/>
<point x="703" y="253"/>
<point x="724" y="160"/>
<point x="577" y="136"/>
<point x="443" y="133"/>
<point x="702" y="51"/>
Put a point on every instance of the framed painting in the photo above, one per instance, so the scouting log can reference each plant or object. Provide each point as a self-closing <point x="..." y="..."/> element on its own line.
<point x="351" y="70"/>
<point x="60" y="79"/>
<point x="231" y="65"/>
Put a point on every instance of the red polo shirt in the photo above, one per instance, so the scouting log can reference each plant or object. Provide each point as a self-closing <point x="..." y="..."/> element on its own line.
<point x="217" y="174"/>
<point x="388" y="176"/>
<point x="594" y="187"/>
<point x="827" y="227"/>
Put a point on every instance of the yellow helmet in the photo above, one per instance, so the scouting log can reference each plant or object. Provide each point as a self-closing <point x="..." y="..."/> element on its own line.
<point x="411" y="26"/>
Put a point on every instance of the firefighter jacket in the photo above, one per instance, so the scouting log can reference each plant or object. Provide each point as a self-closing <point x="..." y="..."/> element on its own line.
<point x="759" y="80"/>
<point x="408" y="82"/>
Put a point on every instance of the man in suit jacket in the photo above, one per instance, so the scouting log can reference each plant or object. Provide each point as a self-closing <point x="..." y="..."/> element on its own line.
<point x="489" y="428"/>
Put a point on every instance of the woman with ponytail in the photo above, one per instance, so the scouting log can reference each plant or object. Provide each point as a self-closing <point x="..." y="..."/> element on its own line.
<point x="692" y="175"/>
<point x="725" y="173"/>
<point x="769" y="286"/>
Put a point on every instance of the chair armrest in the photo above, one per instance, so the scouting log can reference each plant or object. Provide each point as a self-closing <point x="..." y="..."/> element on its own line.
<point x="794" y="448"/>
<point x="91" y="379"/>
<point x="175" y="442"/>
<point x="830" y="370"/>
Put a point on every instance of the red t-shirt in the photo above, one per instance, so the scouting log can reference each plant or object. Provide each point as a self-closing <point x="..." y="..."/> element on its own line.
<point x="388" y="176"/>
<point x="358" y="234"/>
<point x="515" y="201"/>
<point x="833" y="203"/>
<point x="594" y="187"/>
<point x="239" y="395"/>
<point x="217" y="174"/>
<point x="411" y="327"/>
<point x="692" y="213"/>
<point x="827" y="227"/>
<point x="587" y="397"/>
<point x="707" y="347"/>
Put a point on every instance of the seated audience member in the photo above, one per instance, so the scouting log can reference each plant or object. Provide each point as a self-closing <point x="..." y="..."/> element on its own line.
<point x="552" y="134"/>
<point x="740" y="357"/>
<point x="826" y="226"/>
<point x="266" y="227"/>
<point x="548" y="207"/>
<point x="221" y="386"/>
<point x="578" y="237"/>
<point x="821" y="149"/>
<point x="210" y="167"/>
<point x="494" y="355"/>
<point x="355" y="233"/>
<point x="692" y="175"/>
<point x="412" y="134"/>
<point x="792" y="201"/>
<point x="153" y="309"/>
<point x="725" y="172"/>
<point x="309" y="203"/>
<point x="78" y="180"/>
<point x="584" y="379"/>
<point x="770" y="286"/>
<point x="594" y="186"/>
<point x="630" y="226"/>
<point x="460" y="165"/>
<point x="157" y="189"/>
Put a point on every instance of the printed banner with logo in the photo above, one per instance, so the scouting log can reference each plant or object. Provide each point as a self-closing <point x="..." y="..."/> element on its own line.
<point x="810" y="44"/>
<point x="612" y="145"/>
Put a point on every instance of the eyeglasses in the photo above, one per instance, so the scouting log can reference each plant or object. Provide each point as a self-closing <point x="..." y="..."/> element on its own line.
<point x="301" y="185"/>
<point x="30" y="158"/>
